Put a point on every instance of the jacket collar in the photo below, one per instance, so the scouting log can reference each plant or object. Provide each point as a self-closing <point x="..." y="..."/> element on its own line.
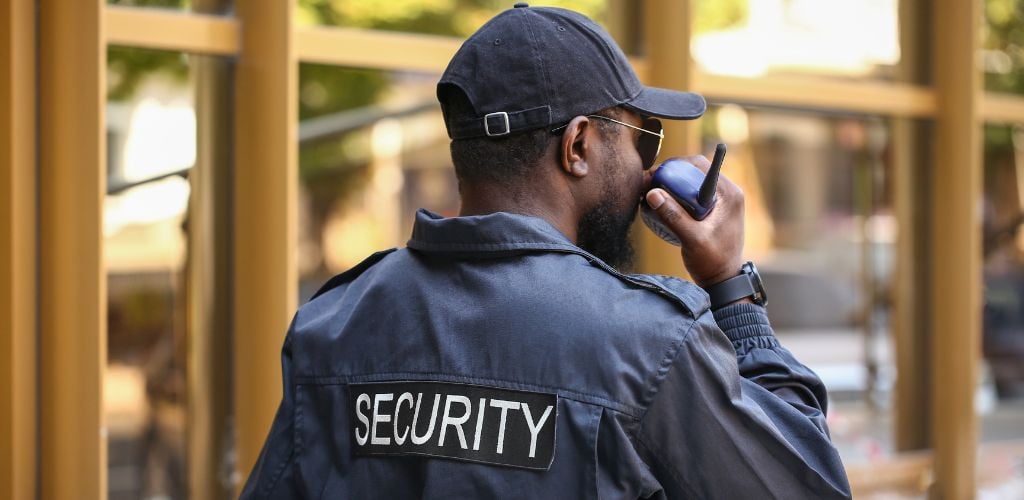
<point x="497" y="232"/>
<point x="500" y="234"/>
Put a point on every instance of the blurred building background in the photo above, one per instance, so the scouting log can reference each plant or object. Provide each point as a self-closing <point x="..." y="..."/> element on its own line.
<point x="179" y="175"/>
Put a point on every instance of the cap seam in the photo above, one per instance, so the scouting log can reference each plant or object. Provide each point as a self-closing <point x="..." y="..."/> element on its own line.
<point x="618" y="74"/>
<point x="449" y="70"/>
<point x="539" y="59"/>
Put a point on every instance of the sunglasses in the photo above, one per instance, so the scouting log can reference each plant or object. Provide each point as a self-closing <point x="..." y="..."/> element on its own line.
<point x="649" y="143"/>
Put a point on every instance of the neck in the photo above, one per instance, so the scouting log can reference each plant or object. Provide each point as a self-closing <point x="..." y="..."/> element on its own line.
<point x="485" y="198"/>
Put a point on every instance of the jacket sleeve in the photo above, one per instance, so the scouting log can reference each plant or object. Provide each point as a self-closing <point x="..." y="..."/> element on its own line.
<point x="736" y="416"/>
<point x="272" y="476"/>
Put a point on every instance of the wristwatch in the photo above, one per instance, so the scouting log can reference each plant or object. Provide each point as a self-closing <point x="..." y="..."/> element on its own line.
<point x="747" y="284"/>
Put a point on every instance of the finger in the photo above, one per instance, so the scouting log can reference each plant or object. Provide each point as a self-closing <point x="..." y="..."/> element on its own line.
<point x="726" y="187"/>
<point x="699" y="161"/>
<point x="671" y="213"/>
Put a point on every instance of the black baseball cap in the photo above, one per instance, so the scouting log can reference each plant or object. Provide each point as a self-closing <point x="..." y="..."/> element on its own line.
<point x="536" y="67"/>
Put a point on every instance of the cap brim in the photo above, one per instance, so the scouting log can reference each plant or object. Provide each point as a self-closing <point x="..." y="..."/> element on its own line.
<point x="665" y="103"/>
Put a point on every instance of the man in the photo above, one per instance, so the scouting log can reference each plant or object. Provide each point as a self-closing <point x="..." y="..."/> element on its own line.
<point x="503" y="354"/>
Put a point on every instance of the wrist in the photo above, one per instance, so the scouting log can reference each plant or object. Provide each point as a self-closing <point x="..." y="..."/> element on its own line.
<point x="744" y="300"/>
<point x="731" y="270"/>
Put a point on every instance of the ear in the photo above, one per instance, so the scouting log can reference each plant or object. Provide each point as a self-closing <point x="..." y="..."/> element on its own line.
<point x="572" y="154"/>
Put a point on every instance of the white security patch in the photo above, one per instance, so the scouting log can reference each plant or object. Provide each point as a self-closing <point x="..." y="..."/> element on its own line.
<point x="458" y="421"/>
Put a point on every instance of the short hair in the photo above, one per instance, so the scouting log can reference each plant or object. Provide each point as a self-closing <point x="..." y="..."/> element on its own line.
<point x="505" y="159"/>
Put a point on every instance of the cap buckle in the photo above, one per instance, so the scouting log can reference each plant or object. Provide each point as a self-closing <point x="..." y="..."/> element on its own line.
<point x="487" y="124"/>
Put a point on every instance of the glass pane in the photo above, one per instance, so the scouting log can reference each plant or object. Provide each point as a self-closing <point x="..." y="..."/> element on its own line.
<point x="820" y="225"/>
<point x="151" y="132"/>
<point x="1000" y="396"/>
<point x="838" y="38"/>
<point x="373" y="149"/>
<point x="1002" y="52"/>
<point x="158" y="4"/>
<point x="438" y="17"/>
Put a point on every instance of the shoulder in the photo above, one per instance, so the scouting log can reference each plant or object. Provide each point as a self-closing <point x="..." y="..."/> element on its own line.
<point x="636" y="325"/>
<point x="609" y="333"/>
<point x="353" y="273"/>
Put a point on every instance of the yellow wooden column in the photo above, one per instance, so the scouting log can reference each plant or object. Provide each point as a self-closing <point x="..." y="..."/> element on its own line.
<point x="955" y="271"/>
<point x="18" y="326"/>
<point x="73" y="292"/>
<point x="622" y="19"/>
<point x="668" y="26"/>
<point x="265" y="213"/>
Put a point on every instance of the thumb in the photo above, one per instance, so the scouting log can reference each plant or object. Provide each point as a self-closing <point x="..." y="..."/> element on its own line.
<point x="669" y="210"/>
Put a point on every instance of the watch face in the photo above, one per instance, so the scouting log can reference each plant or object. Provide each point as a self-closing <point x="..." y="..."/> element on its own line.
<point x="760" y="295"/>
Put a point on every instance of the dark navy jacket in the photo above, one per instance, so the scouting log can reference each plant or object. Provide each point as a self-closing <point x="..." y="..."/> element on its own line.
<point x="492" y="358"/>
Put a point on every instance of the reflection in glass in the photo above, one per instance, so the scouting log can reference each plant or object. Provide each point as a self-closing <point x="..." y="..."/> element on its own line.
<point x="751" y="38"/>
<point x="151" y="130"/>
<point x="437" y="17"/>
<point x="820" y="226"/>
<point x="1000" y="396"/>
<point x="1002" y="53"/>
<point x="157" y="4"/>
<point x="373" y="149"/>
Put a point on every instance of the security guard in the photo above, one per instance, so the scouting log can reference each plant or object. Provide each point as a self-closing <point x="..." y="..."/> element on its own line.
<point x="503" y="353"/>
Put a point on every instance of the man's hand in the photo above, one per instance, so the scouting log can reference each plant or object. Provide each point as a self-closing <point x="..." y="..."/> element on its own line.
<point x="712" y="249"/>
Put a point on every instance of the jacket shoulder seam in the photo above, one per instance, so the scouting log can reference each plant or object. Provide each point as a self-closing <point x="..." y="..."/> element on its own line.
<point x="353" y="273"/>
<point x="654" y="386"/>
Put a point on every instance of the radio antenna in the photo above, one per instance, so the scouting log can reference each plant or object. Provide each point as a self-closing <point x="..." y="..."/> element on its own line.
<point x="707" y="189"/>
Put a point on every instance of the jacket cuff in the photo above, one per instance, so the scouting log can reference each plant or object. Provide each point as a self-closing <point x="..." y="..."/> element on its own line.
<point x="745" y="321"/>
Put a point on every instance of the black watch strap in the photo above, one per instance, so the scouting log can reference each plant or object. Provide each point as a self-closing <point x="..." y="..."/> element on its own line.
<point x="731" y="290"/>
<point x="746" y="284"/>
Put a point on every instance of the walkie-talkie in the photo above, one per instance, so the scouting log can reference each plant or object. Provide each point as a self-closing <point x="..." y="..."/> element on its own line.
<point x="694" y="190"/>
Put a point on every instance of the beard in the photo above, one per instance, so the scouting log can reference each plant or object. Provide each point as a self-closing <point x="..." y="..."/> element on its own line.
<point x="604" y="230"/>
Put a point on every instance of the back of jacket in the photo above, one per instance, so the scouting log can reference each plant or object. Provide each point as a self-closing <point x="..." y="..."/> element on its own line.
<point x="492" y="358"/>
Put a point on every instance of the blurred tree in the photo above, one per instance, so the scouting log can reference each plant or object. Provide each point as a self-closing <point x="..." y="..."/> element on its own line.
<point x="167" y="4"/>
<point x="1003" y="62"/>
<point x="1004" y="45"/>
<point x="438" y="17"/>
<point x="128" y="67"/>
<point x="329" y="89"/>
<point x="1003" y="59"/>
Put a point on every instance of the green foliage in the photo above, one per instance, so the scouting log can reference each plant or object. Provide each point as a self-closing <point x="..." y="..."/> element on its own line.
<point x="439" y="17"/>
<point x="167" y="4"/>
<point x="1004" y="41"/>
<point x="327" y="89"/>
<point x="346" y="89"/>
<point x="128" y="67"/>
<point x="1004" y="44"/>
